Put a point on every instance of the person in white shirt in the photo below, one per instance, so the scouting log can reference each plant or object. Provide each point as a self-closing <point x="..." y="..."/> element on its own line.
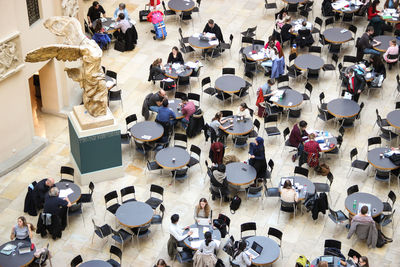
<point x="288" y="194"/>
<point x="271" y="53"/>
<point x="208" y="246"/>
<point x="241" y="258"/>
<point x="121" y="26"/>
<point x="243" y="111"/>
<point x="176" y="231"/>
<point x="205" y="255"/>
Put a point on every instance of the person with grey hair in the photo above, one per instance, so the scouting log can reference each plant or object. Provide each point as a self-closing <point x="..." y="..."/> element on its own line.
<point x="53" y="204"/>
<point x="40" y="191"/>
<point x="121" y="9"/>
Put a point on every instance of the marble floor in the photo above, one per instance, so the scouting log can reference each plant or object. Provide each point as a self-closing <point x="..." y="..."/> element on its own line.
<point x="302" y="236"/>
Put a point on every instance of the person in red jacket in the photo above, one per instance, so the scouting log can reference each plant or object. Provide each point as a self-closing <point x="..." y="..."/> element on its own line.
<point x="374" y="18"/>
<point x="313" y="149"/>
<point x="296" y="137"/>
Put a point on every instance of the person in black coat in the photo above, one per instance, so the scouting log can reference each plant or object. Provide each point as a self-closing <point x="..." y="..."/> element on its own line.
<point x="355" y="84"/>
<point x="175" y="56"/>
<point x="212" y="27"/>
<point x="286" y="30"/>
<point x="156" y="70"/>
<point x="40" y="191"/>
<point x="326" y="8"/>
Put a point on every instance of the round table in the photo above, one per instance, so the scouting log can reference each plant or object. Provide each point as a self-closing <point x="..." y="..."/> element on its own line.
<point x="17" y="259"/>
<point x="384" y="39"/>
<point x="147" y="131"/>
<point x="181" y="5"/>
<point x="389" y="17"/>
<point x="302" y="181"/>
<point x="174" y="105"/>
<point x="384" y="164"/>
<point x="197" y="43"/>
<point x="216" y="235"/>
<point x="73" y="197"/>
<point x="106" y="24"/>
<point x="393" y="118"/>
<point x="95" y="263"/>
<point x="291" y="99"/>
<point x="239" y="173"/>
<point x="343" y="108"/>
<point x="334" y="35"/>
<point x="270" y="252"/>
<point x="376" y="203"/>
<point x="166" y="156"/>
<point x="134" y="214"/>
<point x="308" y="61"/>
<point x="240" y="127"/>
<point x="349" y="9"/>
<point x="330" y="139"/>
<point x="187" y="71"/>
<point x="248" y="52"/>
<point x="229" y="83"/>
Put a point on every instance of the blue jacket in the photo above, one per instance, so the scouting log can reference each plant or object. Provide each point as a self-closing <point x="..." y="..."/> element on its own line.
<point x="101" y="39"/>
<point x="125" y="13"/>
<point x="278" y="67"/>
<point x="165" y="114"/>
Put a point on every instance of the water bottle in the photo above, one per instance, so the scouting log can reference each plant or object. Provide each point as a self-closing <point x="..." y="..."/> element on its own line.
<point x="355" y="205"/>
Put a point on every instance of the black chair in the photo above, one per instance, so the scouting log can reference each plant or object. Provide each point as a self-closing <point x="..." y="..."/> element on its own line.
<point x="194" y="97"/>
<point x="283" y="79"/>
<point x="228" y="71"/>
<point x="249" y="226"/>
<point x="271" y="191"/>
<point x="308" y="87"/>
<point x="185" y="81"/>
<point x="121" y="236"/>
<point x="379" y="121"/>
<point x="324" y="115"/>
<point x="88" y="197"/>
<point x="387" y="219"/>
<point x="358" y="164"/>
<point x="76" y="261"/>
<point x="374" y="141"/>
<point x="185" y="40"/>
<point x="324" y="187"/>
<point x="259" y="42"/>
<point x="227" y="46"/>
<point x="186" y="49"/>
<point x="386" y="205"/>
<point x="152" y="166"/>
<point x="250" y="32"/>
<point x="332" y="243"/>
<point x="329" y="21"/>
<point x="270" y="5"/>
<point x="180" y="95"/>
<point x="115" y="96"/>
<point x="304" y="13"/>
<point x="245" y="40"/>
<point x="195" y="153"/>
<point x="154" y="202"/>
<point x="197" y="8"/>
<point x="353" y="253"/>
<point x="301" y="171"/>
<point x="126" y="191"/>
<point x="158" y="218"/>
<point x="168" y="12"/>
<point x="330" y="66"/>
<point x="69" y="171"/>
<point x="184" y="256"/>
<point x="352" y="189"/>
<point x="318" y="21"/>
<point x="130" y="119"/>
<point x="226" y="113"/>
<point x="209" y="90"/>
<point x="254" y="192"/>
<point x="387" y="134"/>
<point x="101" y="231"/>
<point x="315" y="49"/>
<point x="116" y="252"/>
<point x="254" y="133"/>
<point x="271" y="130"/>
<point x="112" y="74"/>
<point x="278" y="234"/>
<point x="182" y="139"/>
<point x="323" y="105"/>
<point x="113" y="195"/>
<point x="349" y="59"/>
<point x="337" y="217"/>
<point x="289" y="207"/>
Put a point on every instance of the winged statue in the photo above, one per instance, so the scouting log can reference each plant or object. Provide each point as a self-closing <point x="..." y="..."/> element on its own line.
<point x="77" y="46"/>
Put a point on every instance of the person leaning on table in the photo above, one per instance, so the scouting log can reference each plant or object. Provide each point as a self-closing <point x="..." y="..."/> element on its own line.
<point x="240" y="257"/>
<point x="288" y="194"/>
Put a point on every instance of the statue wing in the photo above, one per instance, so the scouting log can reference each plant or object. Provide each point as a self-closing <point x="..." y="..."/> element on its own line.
<point x="58" y="51"/>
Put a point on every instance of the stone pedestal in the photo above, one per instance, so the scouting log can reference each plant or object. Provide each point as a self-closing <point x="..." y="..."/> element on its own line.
<point x="95" y="145"/>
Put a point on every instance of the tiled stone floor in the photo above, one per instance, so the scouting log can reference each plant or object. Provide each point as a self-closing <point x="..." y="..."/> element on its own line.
<point x="302" y="236"/>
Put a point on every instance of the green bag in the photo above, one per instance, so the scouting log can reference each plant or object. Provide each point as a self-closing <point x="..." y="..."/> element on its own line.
<point x="302" y="261"/>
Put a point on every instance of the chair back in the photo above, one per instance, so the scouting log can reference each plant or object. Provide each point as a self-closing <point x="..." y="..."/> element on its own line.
<point x="330" y="178"/>
<point x="353" y="29"/>
<point x="129" y="119"/>
<point x="314" y="49"/>
<point x="329" y="21"/>
<point x="249" y="226"/>
<point x="374" y="141"/>
<point x="286" y="132"/>
<point x="228" y="71"/>
<point x="271" y="118"/>
<point x="114" y="95"/>
<point x="247" y="40"/>
<point x="392" y="197"/>
<point x="397" y="105"/>
<point x="196" y="150"/>
<point x="318" y="21"/>
<point x="76" y="261"/>
<point x="353" y="253"/>
<point x="156" y="189"/>
<point x="353" y="153"/>
<point x="282" y="78"/>
<point x="226" y="113"/>
<point x="205" y="81"/>
<point x="349" y="59"/>
<point x="126" y="191"/>
<point x="275" y="232"/>
<point x="301" y="171"/>
<point x="332" y="243"/>
<point x="254" y="189"/>
<point x="116" y="251"/>
<point x="66" y="170"/>
<point x="180" y="137"/>
<point x="110" y="196"/>
<point x="183" y="80"/>
<point x="292" y="57"/>
<point x="195" y="97"/>
<point x="308" y="87"/>
<point x="290" y="206"/>
<point x="179" y="95"/>
<point x="257" y="124"/>
<point x="258" y="42"/>
<point x="352" y="189"/>
<point x="304" y="13"/>
<point x="321" y="97"/>
<point x="111" y="74"/>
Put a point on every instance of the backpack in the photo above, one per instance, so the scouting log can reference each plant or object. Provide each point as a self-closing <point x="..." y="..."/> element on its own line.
<point x="221" y="226"/>
<point x="231" y="246"/>
<point x="219" y="263"/>
<point x="381" y="241"/>
<point x="302" y="261"/>
<point x="235" y="204"/>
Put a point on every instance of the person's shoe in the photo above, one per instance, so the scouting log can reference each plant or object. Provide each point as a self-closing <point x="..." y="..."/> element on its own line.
<point x="153" y="31"/>
<point x="294" y="158"/>
<point x="154" y="37"/>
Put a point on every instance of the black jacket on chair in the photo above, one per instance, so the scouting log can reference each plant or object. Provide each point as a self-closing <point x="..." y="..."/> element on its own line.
<point x="304" y="38"/>
<point x="131" y="37"/>
<point x="196" y="124"/>
<point x="29" y="205"/>
<point x="55" y="228"/>
<point x="317" y="204"/>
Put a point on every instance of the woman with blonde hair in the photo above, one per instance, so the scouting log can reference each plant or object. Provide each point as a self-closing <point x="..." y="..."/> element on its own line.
<point x="202" y="210"/>
<point x="22" y="230"/>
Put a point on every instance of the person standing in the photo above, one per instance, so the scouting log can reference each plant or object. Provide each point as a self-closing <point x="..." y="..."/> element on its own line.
<point x="296" y="138"/>
<point x="257" y="157"/>
<point x="95" y="12"/>
<point x="355" y="84"/>
<point x="188" y="109"/>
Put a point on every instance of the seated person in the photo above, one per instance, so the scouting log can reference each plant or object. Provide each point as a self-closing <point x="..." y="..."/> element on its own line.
<point x="161" y="263"/>
<point x="380" y="71"/>
<point x="177" y="231"/>
<point x="40" y="191"/>
<point x="100" y="37"/>
<point x="243" y="111"/>
<point x="121" y="26"/>
<point x="288" y="194"/>
<point x="355" y="83"/>
<point x="392" y="50"/>
<point x="286" y="30"/>
<point x="391" y="4"/>
<point x="219" y="176"/>
<point x="202" y="210"/>
<point x="121" y="9"/>
<point x="216" y="154"/>
<point x="363" y="216"/>
<point x="240" y="257"/>
<point x="266" y="90"/>
<point x="156" y="70"/>
<point x="322" y="264"/>
<point x="156" y="100"/>
<point x="296" y="137"/>
<point x="188" y="109"/>
<point x="217" y="122"/>
<point x="272" y="53"/>
<point x="165" y="114"/>
<point x="374" y="18"/>
<point x="22" y="230"/>
<point x="280" y="21"/>
<point x="366" y="42"/>
<point x="213" y="27"/>
<point x="276" y="42"/>
<point x="95" y="12"/>
<point x="304" y="36"/>
<point x="327" y="9"/>
<point x="313" y="149"/>
<point x="357" y="262"/>
<point x="175" y="56"/>
<point x="206" y="252"/>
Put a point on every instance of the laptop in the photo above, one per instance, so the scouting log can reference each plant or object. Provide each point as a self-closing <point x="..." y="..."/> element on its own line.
<point x="255" y="250"/>
<point x="24" y="249"/>
<point x="203" y="222"/>
<point x="328" y="259"/>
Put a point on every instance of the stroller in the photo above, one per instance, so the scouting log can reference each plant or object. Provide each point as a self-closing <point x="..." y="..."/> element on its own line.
<point x="157" y="18"/>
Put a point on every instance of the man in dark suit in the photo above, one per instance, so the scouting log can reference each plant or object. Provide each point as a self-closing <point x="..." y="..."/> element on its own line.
<point x="355" y="84"/>
<point x="40" y="191"/>
<point x="212" y="27"/>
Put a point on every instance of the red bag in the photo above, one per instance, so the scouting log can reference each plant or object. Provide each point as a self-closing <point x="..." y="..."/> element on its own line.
<point x="260" y="99"/>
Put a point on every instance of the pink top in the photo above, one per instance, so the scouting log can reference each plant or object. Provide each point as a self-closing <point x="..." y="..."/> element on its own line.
<point x="392" y="50"/>
<point x="188" y="110"/>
